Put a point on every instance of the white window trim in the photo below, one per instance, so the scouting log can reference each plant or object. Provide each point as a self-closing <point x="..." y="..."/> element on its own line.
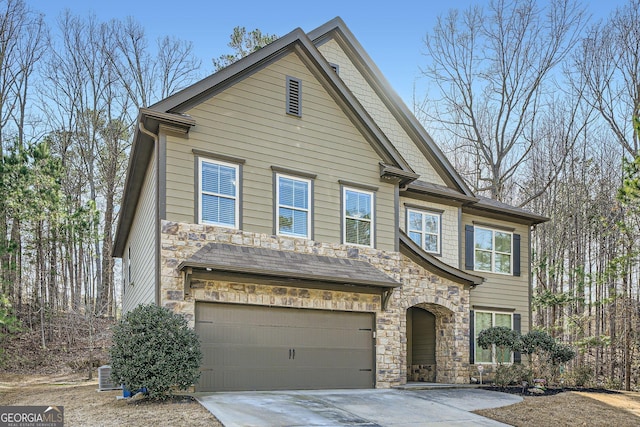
<point x="235" y="197"/>
<point x="278" y="205"/>
<point x="493" y="251"/>
<point x="344" y="216"/>
<point x="476" y="332"/>
<point x="422" y="232"/>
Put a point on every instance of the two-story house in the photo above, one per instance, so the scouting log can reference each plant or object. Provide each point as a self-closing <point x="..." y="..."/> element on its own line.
<point x="293" y="209"/>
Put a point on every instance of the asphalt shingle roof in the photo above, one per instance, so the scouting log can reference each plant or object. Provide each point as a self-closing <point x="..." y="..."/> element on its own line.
<point x="279" y="263"/>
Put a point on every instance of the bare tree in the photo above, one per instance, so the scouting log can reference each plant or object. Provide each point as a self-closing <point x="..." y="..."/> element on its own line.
<point x="22" y="43"/>
<point x="144" y="77"/>
<point x="493" y="71"/>
<point x="609" y="64"/>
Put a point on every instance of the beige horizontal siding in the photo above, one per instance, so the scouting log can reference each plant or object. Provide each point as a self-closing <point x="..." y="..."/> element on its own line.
<point x="449" y="226"/>
<point x="379" y="112"/>
<point x="248" y="121"/>
<point x="501" y="290"/>
<point x="142" y="241"/>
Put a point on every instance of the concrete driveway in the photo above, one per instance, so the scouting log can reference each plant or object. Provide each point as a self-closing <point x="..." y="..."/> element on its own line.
<point x="443" y="407"/>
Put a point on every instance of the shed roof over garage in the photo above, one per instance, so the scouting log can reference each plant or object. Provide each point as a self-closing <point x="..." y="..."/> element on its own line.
<point x="289" y="264"/>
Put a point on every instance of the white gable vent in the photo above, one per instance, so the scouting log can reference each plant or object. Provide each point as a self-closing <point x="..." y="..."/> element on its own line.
<point x="294" y="96"/>
<point x="104" y="379"/>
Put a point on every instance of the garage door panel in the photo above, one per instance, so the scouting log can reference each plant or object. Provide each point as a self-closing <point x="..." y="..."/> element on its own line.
<point x="273" y="348"/>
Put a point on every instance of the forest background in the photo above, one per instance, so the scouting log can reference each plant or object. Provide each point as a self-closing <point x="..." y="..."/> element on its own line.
<point x="534" y="105"/>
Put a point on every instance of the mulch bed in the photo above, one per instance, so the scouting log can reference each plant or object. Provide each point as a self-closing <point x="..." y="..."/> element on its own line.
<point x="549" y="391"/>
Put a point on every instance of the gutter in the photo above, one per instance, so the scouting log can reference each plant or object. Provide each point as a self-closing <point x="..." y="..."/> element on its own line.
<point x="154" y="137"/>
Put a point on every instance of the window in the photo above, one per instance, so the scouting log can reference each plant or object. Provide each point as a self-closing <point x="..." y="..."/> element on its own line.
<point x="218" y="193"/>
<point x="492" y="250"/>
<point x="485" y="320"/>
<point x="294" y="96"/>
<point x="424" y="229"/>
<point x="358" y="217"/>
<point x="129" y="265"/>
<point x="294" y="206"/>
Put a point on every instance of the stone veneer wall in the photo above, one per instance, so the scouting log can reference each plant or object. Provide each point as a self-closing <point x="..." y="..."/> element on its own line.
<point x="447" y="300"/>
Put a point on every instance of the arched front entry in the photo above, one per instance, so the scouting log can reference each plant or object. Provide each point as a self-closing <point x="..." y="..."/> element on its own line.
<point x="430" y="343"/>
<point x="421" y="345"/>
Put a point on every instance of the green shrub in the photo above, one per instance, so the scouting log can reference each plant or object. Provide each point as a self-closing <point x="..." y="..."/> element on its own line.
<point x="501" y="340"/>
<point x="154" y="348"/>
<point x="536" y="341"/>
<point x="581" y="376"/>
<point x="512" y="374"/>
<point x="562" y="353"/>
<point x="9" y="324"/>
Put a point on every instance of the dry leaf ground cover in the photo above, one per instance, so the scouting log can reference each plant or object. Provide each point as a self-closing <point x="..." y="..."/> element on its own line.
<point x="84" y="406"/>
<point x="572" y="408"/>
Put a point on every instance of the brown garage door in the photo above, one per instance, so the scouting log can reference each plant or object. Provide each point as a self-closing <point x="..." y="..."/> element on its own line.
<point x="270" y="348"/>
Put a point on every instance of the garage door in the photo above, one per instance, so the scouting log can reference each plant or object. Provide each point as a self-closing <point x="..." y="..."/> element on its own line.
<point x="269" y="348"/>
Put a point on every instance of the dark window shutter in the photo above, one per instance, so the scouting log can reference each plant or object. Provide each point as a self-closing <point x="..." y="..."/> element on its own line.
<point x="468" y="247"/>
<point x="516" y="255"/>
<point x="294" y="96"/>
<point x="517" y="357"/>
<point x="472" y="328"/>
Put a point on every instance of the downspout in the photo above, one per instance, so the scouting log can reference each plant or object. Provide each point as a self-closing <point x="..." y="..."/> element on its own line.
<point x="157" y="209"/>
<point x="532" y="230"/>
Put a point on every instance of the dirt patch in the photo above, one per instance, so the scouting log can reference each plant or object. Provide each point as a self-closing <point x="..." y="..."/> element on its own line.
<point x="84" y="405"/>
<point x="571" y="408"/>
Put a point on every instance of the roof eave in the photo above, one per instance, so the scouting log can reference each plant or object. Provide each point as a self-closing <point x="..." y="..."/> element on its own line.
<point x="263" y="272"/>
<point x="141" y="148"/>
<point x="441" y="193"/>
<point x="505" y="213"/>
<point x="180" y="100"/>
<point x="409" y="248"/>
<point x="389" y="96"/>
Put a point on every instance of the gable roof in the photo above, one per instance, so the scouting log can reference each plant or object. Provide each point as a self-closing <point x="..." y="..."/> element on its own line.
<point x="172" y="109"/>
<point x="296" y="41"/>
<point x="337" y="29"/>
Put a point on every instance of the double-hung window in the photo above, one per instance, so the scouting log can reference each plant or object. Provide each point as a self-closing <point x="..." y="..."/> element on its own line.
<point x="218" y="204"/>
<point x="294" y="206"/>
<point x="493" y="250"/>
<point x="424" y="228"/>
<point x="485" y="320"/>
<point x="358" y="217"/>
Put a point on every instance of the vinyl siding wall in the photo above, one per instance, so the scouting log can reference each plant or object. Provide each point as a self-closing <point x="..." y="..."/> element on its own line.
<point x="449" y="226"/>
<point x="248" y="121"/>
<point x="501" y="290"/>
<point x="332" y="51"/>
<point x="142" y="241"/>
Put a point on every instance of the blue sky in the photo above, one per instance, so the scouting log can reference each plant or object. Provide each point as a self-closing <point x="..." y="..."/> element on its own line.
<point x="392" y="32"/>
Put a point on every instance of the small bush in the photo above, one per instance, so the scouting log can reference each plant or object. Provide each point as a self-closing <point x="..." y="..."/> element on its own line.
<point x="536" y="341"/>
<point x="154" y="348"/>
<point x="512" y="374"/>
<point x="501" y="340"/>
<point x="581" y="376"/>
<point x="562" y="353"/>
